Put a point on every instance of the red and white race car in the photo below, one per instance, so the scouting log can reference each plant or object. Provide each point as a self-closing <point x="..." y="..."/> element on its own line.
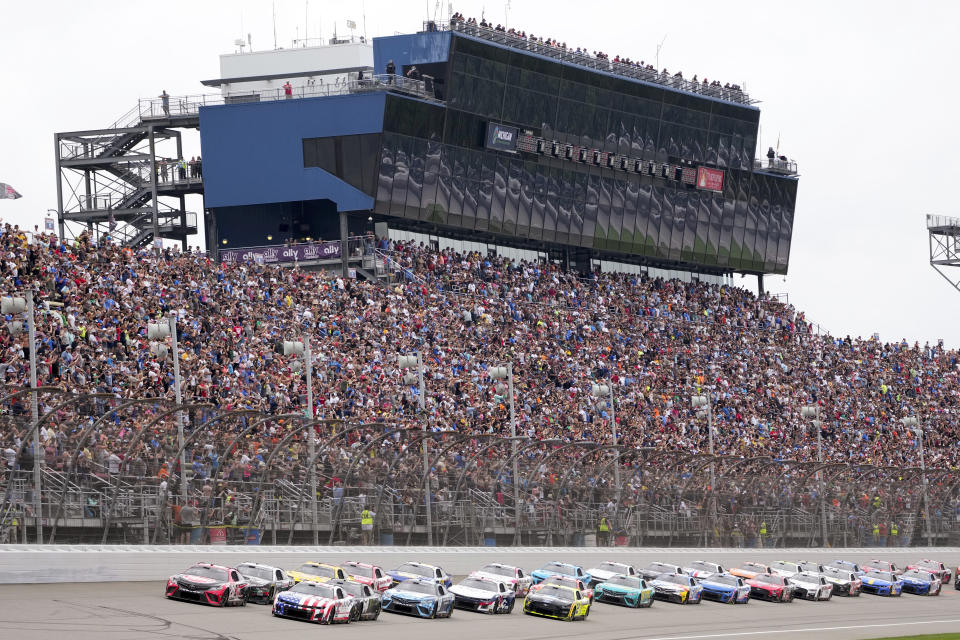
<point x="932" y="566"/>
<point x="513" y="576"/>
<point x="316" y="602"/>
<point x="565" y="581"/>
<point x="208" y="584"/>
<point x="371" y="575"/>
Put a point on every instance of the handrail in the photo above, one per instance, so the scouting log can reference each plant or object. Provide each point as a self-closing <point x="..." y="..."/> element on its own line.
<point x="599" y="64"/>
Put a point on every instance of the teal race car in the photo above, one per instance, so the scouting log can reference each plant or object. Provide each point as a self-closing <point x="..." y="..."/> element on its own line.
<point x="627" y="591"/>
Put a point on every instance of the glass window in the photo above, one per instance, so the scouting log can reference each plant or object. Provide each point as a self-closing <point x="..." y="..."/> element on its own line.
<point x="418" y="160"/>
<point x="401" y="176"/>
<point x="385" y="175"/>
<point x="616" y="213"/>
<point x="512" y="208"/>
<point x="654" y="241"/>
<point x="499" y="203"/>
<point x="527" y="186"/>
<point x="539" y="203"/>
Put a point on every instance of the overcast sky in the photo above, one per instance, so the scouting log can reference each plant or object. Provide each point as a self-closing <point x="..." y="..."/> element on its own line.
<point x="862" y="94"/>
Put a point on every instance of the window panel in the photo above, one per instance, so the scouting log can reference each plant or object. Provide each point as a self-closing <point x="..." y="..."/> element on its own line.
<point x="539" y="203"/>
<point x="525" y="210"/>
<point x="512" y="206"/>
<point x="418" y="159"/>
<point x="401" y="176"/>
<point x="385" y="175"/>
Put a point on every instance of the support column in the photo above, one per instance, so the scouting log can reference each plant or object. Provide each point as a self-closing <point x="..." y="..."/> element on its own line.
<point x="760" y="284"/>
<point x="344" y="249"/>
<point x="56" y="154"/>
<point x="38" y="456"/>
<point x="153" y="183"/>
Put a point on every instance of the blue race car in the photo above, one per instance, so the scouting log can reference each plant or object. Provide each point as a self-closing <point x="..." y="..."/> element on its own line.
<point x="629" y="591"/>
<point x="560" y="569"/>
<point x="921" y="583"/>
<point x="419" y="570"/>
<point x="724" y="587"/>
<point x="418" y="597"/>
<point x="882" y="583"/>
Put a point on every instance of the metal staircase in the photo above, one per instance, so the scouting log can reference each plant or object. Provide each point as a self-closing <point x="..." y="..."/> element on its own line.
<point x="111" y="181"/>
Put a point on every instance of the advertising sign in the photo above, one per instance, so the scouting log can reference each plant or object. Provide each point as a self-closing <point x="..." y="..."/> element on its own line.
<point x="501" y="137"/>
<point x="279" y="254"/>
<point x="709" y="179"/>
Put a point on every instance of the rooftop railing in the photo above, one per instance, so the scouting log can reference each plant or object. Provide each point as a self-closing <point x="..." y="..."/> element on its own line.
<point x="590" y="62"/>
<point x="776" y="165"/>
<point x="943" y="222"/>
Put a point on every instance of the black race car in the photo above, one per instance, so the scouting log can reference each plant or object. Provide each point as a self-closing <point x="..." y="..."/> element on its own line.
<point x="263" y="581"/>
<point x="368" y="600"/>
<point x="208" y="584"/>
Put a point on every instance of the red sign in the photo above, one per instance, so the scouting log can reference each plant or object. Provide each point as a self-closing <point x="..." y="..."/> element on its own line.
<point x="709" y="179"/>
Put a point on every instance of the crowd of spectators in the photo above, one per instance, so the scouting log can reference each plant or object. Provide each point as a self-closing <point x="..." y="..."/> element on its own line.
<point x="656" y="342"/>
<point x="617" y="62"/>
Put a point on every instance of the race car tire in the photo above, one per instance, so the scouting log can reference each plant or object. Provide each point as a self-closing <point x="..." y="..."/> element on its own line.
<point x="376" y="615"/>
<point x="327" y="619"/>
<point x="512" y="604"/>
<point x="224" y="599"/>
<point x="354" y="613"/>
<point x="436" y="607"/>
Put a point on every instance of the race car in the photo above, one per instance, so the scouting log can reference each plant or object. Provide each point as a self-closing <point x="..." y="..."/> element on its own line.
<point x="882" y="565"/>
<point x="956" y="579"/>
<point x="208" y="584"/>
<point x="368" y="574"/>
<point x="766" y="586"/>
<point x="423" y="597"/>
<point x="811" y="586"/>
<point x="750" y="570"/>
<point x="629" y="591"/>
<point x="724" y="587"/>
<point x="317" y="572"/>
<point x="513" y="576"/>
<point x="845" y="583"/>
<point x="366" y="600"/>
<point x="811" y="567"/>
<point x="314" y="602"/>
<point x="606" y="570"/>
<point x="700" y="569"/>
<point x="567" y="581"/>
<point x="921" y="583"/>
<point x="418" y="570"/>
<point x="559" y="569"/>
<point x="674" y="587"/>
<point x="848" y="566"/>
<point x="263" y="581"/>
<point x="785" y="569"/>
<point x="485" y="595"/>
<point x="932" y="566"/>
<point x="655" y="569"/>
<point x="881" y="583"/>
<point x="555" y="601"/>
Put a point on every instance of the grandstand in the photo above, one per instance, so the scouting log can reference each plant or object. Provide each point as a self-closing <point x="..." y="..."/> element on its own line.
<point x="539" y="379"/>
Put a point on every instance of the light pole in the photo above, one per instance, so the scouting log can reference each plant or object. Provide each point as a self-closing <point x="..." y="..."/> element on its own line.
<point x="601" y="390"/>
<point x="506" y="373"/>
<point x="160" y="331"/>
<point x="704" y="401"/>
<point x="20" y="305"/>
<point x="415" y="362"/>
<point x="913" y="424"/>
<point x="813" y="411"/>
<point x="303" y="349"/>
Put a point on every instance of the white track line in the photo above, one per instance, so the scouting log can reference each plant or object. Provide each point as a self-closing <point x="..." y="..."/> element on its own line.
<point x="803" y="630"/>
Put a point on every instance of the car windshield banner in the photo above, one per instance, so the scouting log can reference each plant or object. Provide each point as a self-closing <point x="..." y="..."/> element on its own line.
<point x="501" y="137"/>
<point x="709" y="179"/>
<point x="282" y="254"/>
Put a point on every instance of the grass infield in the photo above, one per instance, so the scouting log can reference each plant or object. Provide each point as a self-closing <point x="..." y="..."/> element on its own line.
<point x="934" y="636"/>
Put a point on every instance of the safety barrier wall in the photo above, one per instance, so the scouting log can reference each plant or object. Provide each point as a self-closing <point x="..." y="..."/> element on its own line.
<point x="95" y="563"/>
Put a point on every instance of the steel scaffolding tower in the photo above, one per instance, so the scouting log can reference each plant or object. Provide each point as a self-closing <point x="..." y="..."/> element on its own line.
<point x="945" y="246"/>
<point x="115" y="181"/>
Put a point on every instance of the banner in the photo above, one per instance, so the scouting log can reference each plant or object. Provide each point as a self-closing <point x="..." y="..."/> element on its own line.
<point x="709" y="179"/>
<point x="280" y="254"/>
<point x="501" y="137"/>
<point x="7" y="192"/>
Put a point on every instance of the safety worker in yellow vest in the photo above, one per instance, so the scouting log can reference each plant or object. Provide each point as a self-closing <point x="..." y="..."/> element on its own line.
<point x="366" y="526"/>
<point x="604" y="532"/>
<point x="894" y="535"/>
<point x="876" y="534"/>
<point x="763" y="534"/>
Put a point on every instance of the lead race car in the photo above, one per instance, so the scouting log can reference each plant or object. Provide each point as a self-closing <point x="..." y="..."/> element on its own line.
<point x="318" y="602"/>
<point x="208" y="584"/>
<point x="514" y="576"/>
<point x="423" y="597"/>
<point x="921" y="583"/>
<point x="724" y="587"/>
<point x="932" y="566"/>
<point x="485" y="595"/>
<point x="556" y="601"/>
<point x="700" y="569"/>
<point x="263" y="581"/>
<point x="629" y="591"/>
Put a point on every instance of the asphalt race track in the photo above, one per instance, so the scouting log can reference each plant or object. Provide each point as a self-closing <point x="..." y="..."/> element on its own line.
<point x="120" y="610"/>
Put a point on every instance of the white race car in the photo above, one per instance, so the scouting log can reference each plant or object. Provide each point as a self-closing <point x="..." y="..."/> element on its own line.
<point x="811" y="586"/>
<point x="484" y="595"/>
<point x="606" y="570"/>
<point x="514" y="576"/>
<point x="700" y="569"/>
<point x="785" y="569"/>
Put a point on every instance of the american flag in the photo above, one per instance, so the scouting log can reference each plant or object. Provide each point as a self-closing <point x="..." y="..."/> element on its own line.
<point x="8" y="193"/>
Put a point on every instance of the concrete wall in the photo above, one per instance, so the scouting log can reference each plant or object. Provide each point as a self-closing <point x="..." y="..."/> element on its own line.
<point x="94" y="563"/>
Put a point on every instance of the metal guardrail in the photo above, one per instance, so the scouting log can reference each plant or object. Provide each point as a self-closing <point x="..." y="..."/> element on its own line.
<point x="598" y="64"/>
<point x="943" y="222"/>
<point x="776" y="165"/>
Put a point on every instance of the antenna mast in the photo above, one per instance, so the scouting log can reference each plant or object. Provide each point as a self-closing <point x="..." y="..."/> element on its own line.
<point x="274" y="25"/>
<point x="660" y="46"/>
